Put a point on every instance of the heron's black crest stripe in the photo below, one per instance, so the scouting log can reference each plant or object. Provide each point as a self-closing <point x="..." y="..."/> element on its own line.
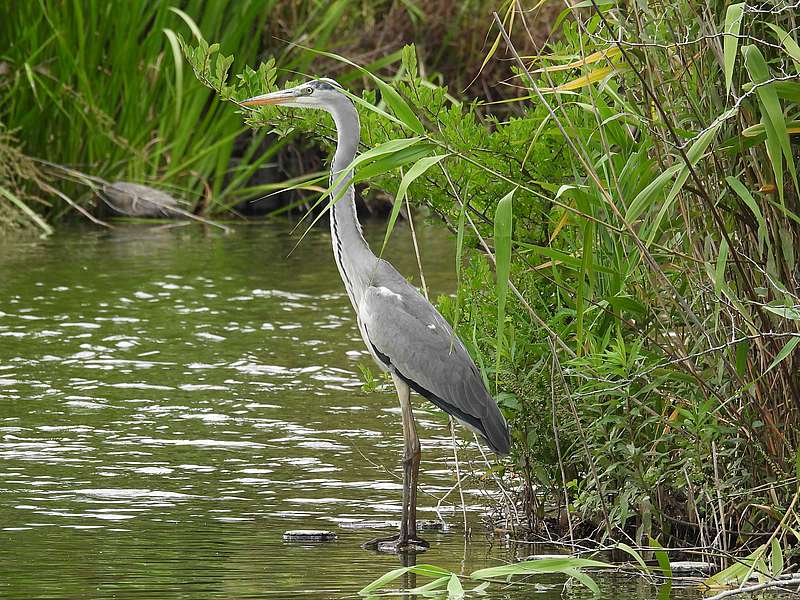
<point x="324" y="84"/>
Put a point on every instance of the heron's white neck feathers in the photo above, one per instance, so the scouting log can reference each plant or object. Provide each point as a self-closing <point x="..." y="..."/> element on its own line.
<point x="353" y="256"/>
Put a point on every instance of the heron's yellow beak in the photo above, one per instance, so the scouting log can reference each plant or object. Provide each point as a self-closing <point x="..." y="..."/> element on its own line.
<point x="280" y="97"/>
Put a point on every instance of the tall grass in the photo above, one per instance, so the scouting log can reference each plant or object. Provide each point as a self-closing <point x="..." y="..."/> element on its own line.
<point x="100" y="87"/>
<point x="647" y="350"/>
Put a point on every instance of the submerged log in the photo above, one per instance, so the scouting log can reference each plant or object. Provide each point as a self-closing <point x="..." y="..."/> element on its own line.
<point x="692" y="567"/>
<point x="137" y="200"/>
<point x="425" y="525"/>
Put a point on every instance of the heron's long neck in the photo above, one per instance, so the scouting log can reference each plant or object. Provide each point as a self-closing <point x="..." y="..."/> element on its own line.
<point x="352" y="254"/>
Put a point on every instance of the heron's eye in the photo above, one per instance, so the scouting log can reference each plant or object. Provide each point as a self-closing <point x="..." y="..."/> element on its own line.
<point x="308" y="91"/>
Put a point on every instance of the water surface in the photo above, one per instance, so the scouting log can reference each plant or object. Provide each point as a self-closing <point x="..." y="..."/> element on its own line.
<point x="172" y="399"/>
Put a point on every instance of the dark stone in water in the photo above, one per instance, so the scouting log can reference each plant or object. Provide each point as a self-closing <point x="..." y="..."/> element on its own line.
<point x="428" y="525"/>
<point x="308" y="535"/>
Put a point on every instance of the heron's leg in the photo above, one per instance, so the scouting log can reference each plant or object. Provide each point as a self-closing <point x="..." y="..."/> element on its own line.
<point x="407" y="540"/>
<point x="411" y="459"/>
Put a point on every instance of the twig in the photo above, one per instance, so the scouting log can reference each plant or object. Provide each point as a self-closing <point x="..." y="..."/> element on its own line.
<point x="419" y="260"/>
<point x="558" y="445"/>
<point x="789" y="580"/>
<point x="458" y="475"/>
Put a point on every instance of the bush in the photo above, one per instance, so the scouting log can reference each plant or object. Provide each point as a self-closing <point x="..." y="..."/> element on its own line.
<point x="647" y="363"/>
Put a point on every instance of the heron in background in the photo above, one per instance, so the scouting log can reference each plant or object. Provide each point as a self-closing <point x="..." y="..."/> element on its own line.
<point x="405" y="335"/>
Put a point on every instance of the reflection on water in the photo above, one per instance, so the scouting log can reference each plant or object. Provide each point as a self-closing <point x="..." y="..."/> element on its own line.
<point x="172" y="400"/>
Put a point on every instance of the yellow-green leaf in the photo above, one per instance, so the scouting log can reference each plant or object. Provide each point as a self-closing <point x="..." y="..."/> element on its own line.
<point x="588" y="79"/>
<point x="592" y="58"/>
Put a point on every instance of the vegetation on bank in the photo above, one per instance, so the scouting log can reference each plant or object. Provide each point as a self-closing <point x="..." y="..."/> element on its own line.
<point x="101" y="88"/>
<point x="638" y="189"/>
<point x="646" y="350"/>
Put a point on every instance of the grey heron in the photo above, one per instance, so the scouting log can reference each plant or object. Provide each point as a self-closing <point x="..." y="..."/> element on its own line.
<point x="405" y="335"/>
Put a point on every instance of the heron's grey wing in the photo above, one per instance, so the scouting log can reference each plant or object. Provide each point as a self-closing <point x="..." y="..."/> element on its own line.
<point x="410" y="336"/>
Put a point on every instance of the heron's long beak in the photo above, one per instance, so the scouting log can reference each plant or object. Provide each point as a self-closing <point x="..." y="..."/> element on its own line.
<point x="280" y="97"/>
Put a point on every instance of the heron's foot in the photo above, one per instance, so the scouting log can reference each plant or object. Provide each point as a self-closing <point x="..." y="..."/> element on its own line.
<point x="396" y="544"/>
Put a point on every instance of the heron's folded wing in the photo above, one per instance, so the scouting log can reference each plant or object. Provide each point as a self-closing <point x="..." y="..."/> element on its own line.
<point x="419" y="343"/>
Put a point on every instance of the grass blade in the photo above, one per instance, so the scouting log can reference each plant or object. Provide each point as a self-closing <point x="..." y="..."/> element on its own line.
<point x="542" y="566"/>
<point x="503" y="226"/>
<point x="27" y="210"/>
<point x="774" y="120"/>
<point x="733" y="24"/>
<point x="413" y="173"/>
<point x="787" y="349"/>
<point x="584" y="579"/>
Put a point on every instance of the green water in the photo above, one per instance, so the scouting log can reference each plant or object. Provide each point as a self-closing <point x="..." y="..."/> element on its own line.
<point x="173" y="399"/>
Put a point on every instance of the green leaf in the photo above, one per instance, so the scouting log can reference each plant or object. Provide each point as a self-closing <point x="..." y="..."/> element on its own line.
<point x="742" y="349"/>
<point x="455" y="591"/>
<point x="662" y="558"/>
<point x="791" y="47"/>
<point x="178" y="58"/>
<point x="413" y="173"/>
<point x="784" y="353"/>
<point x="775" y="122"/>
<point x="392" y="161"/>
<point x="190" y="22"/>
<point x="567" y="260"/>
<point x="503" y="226"/>
<point x="693" y="155"/>
<point x="383" y="580"/>
<point x="409" y="60"/>
<point x="776" y="558"/>
<point x="647" y="196"/>
<point x="543" y="565"/>
<point x="791" y="313"/>
<point x="733" y="24"/>
<point x="738" y="571"/>
<point x="584" y="579"/>
<point x="387" y="148"/>
<point x="430" y="586"/>
<point x="634" y="554"/>
<point x="743" y="193"/>
<point x="377" y="160"/>
<point x="427" y="570"/>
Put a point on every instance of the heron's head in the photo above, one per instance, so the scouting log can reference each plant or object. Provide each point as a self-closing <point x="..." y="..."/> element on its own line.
<point x="318" y="93"/>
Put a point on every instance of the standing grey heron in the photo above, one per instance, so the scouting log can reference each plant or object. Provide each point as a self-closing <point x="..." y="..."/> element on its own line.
<point x="405" y="335"/>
